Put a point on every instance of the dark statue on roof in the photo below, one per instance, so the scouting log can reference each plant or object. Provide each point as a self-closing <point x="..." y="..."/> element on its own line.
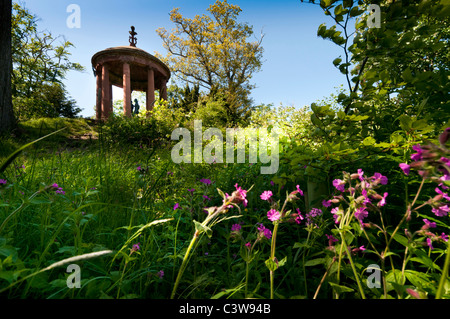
<point x="133" y="39"/>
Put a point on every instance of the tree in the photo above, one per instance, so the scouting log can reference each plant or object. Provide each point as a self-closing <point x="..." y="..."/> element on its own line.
<point x="215" y="52"/>
<point x="397" y="86"/>
<point x="40" y="65"/>
<point x="397" y="69"/>
<point x="6" y="109"/>
<point x="185" y="99"/>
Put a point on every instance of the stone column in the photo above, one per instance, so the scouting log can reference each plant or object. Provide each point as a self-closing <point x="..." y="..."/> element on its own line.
<point x="98" y="98"/>
<point x="150" y="96"/>
<point x="111" y="111"/>
<point x="163" y="90"/>
<point x="126" y="90"/>
<point x="105" y="93"/>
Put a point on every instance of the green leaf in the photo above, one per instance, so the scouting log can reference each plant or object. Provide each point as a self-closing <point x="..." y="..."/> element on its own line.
<point x="347" y="3"/>
<point x="340" y="289"/>
<point x="315" y="120"/>
<point x="355" y="11"/>
<point x="221" y="193"/>
<point x="419" y="279"/>
<point x="394" y="277"/>
<point x="301" y="245"/>
<point x="337" y="61"/>
<point x="401" y="239"/>
<point x="321" y="30"/>
<point x="326" y="3"/>
<point x="38" y="201"/>
<point x="271" y="265"/>
<point x="315" y="262"/>
<point x="423" y="258"/>
<point x="405" y="122"/>
<point x="282" y="262"/>
<point x="407" y="75"/>
<point x="338" y="10"/>
<point x="202" y="229"/>
<point x="229" y="292"/>
<point x="368" y="141"/>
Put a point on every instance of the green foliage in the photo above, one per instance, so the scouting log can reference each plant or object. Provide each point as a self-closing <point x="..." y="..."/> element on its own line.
<point x="175" y="233"/>
<point x="39" y="67"/>
<point x="147" y="128"/>
<point x="185" y="99"/>
<point x="215" y="52"/>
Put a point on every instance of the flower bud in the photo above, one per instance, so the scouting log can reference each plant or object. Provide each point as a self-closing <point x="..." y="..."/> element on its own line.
<point x="336" y="199"/>
<point x="443" y="138"/>
<point x="369" y="225"/>
<point x="408" y="234"/>
<point x="417" y="164"/>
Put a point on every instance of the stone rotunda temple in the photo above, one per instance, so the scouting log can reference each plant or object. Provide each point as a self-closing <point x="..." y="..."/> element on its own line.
<point x="132" y="69"/>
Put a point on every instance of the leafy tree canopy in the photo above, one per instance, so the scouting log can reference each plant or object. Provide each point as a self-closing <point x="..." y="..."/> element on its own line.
<point x="40" y="64"/>
<point x="215" y="52"/>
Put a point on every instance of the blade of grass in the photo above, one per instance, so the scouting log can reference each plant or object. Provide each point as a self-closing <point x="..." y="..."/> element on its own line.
<point x="19" y="150"/>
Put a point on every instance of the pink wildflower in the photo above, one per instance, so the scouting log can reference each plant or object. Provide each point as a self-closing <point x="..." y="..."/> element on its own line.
<point x="266" y="195"/>
<point x="405" y="168"/>
<point x="417" y="156"/>
<point x="428" y="224"/>
<point x="429" y="243"/>
<point x="326" y="203"/>
<point x="236" y="228"/>
<point x="273" y="215"/>
<point x="445" y="195"/>
<point x="331" y="239"/>
<point x="239" y="196"/>
<point x="339" y="184"/>
<point x="264" y="232"/>
<point x="299" y="190"/>
<point x="299" y="217"/>
<point x="441" y="211"/>
<point x="206" y="181"/>
<point x="382" y="202"/>
<point x="361" y="213"/>
<point x="378" y="178"/>
<point x="360" y="174"/>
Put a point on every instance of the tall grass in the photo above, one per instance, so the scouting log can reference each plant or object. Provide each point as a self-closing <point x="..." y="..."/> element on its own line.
<point x="135" y="223"/>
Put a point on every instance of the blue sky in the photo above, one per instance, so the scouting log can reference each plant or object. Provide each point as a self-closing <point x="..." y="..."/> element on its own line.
<point x="297" y="68"/>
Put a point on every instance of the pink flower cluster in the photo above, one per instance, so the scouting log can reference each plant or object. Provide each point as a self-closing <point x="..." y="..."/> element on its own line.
<point x="275" y="215"/>
<point x="237" y="197"/>
<point x="362" y="185"/>
<point x="430" y="237"/>
<point x="433" y="163"/>
<point x="58" y="190"/>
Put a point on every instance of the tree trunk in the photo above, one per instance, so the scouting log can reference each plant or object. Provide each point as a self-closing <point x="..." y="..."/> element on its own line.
<point x="6" y="110"/>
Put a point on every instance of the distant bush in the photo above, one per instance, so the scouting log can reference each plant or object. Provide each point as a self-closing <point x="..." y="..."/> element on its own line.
<point x="140" y="129"/>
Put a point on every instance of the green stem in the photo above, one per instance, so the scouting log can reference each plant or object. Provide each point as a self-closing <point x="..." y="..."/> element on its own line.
<point x="18" y="209"/>
<point x="272" y="256"/>
<point x="121" y="280"/>
<point x="184" y="264"/>
<point x="205" y="223"/>
<point x="444" y="275"/>
<point x="349" y="254"/>
<point x="304" y="268"/>
<point x="246" y="278"/>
